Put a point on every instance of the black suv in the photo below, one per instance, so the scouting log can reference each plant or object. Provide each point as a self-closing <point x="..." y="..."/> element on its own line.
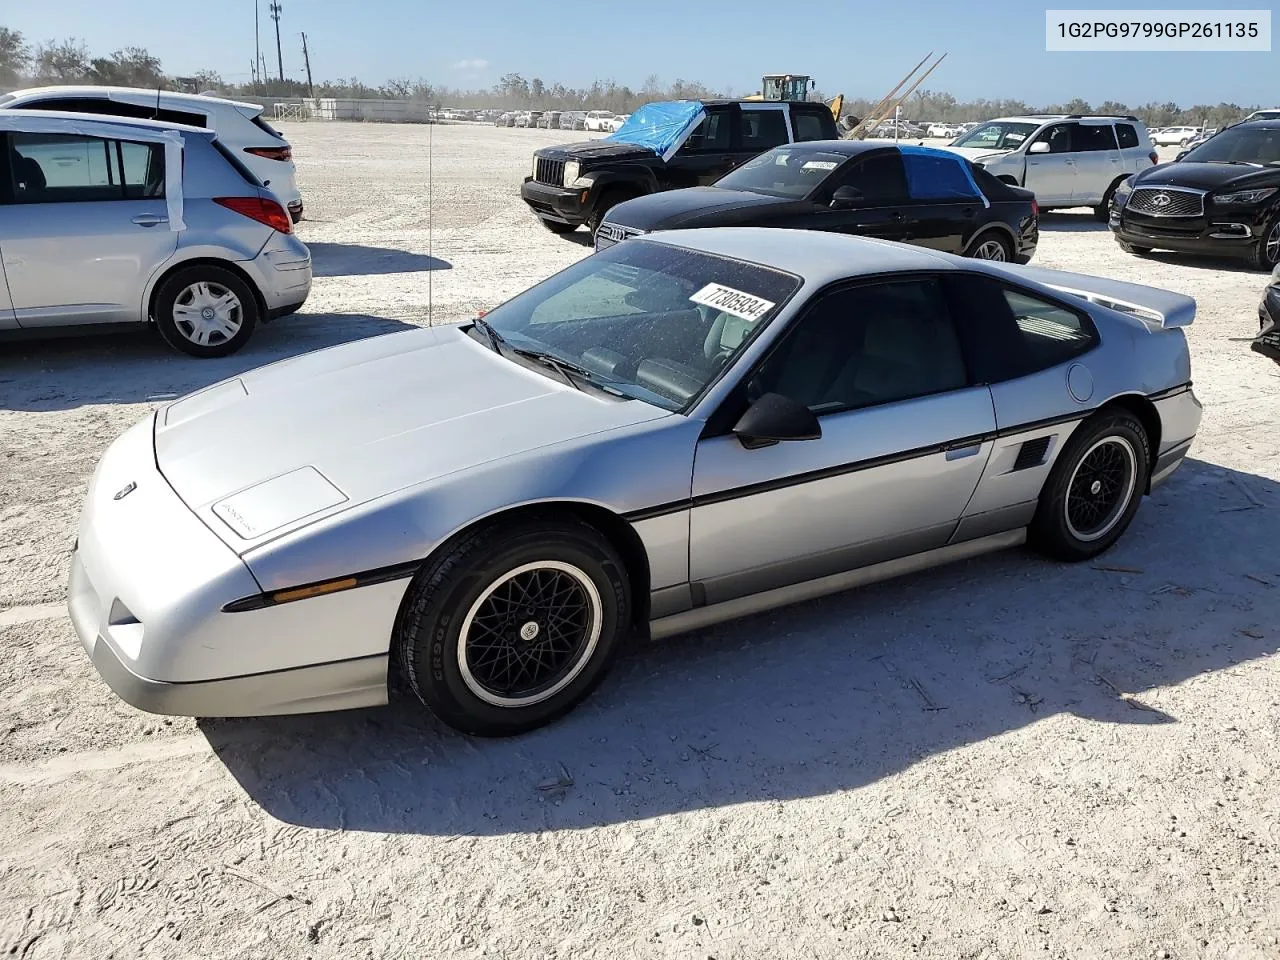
<point x="1222" y="198"/>
<point x="578" y="183"/>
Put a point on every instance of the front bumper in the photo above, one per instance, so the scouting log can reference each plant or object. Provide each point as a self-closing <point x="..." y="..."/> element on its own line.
<point x="148" y="580"/>
<point x="560" y="204"/>
<point x="1217" y="233"/>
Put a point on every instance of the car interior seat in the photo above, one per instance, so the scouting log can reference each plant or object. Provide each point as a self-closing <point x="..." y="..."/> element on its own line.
<point x="28" y="177"/>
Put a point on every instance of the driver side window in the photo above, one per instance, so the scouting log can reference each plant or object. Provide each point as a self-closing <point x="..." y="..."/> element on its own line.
<point x="712" y="133"/>
<point x="879" y="178"/>
<point x="1058" y="138"/>
<point x="867" y="345"/>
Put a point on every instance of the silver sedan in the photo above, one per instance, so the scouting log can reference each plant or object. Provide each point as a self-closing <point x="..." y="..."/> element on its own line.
<point x="679" y="430"/>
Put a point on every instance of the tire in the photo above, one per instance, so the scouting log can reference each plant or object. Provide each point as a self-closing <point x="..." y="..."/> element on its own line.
<point x="455" y="593"/>
<point x="1266" y="254"/>
<point x="990" y="245"/>
<point x="1136" y="250"/>
<point x="193" y="313"/>
<point x="556" y="227"/>
<point x="607" y="202"/>
<point x="1094" y="488"/>
<point x="1102" y="212"/>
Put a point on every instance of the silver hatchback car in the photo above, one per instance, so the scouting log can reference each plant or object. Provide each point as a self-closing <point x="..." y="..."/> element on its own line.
<point x="107" y="223"/>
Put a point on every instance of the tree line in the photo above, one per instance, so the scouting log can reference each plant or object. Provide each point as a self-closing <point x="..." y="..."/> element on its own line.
<point x="70" y="61"/>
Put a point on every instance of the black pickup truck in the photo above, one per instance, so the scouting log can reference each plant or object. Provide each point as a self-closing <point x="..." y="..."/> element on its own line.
<point x="663" y="146"/>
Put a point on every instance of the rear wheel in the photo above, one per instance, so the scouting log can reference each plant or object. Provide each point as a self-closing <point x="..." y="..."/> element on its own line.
<point x="1094" y="489"/>
<point x="991" y="246"/>
<point x="1103" y="210"/>
<point x="206" y="311"/>
<point x="514" y="625"/>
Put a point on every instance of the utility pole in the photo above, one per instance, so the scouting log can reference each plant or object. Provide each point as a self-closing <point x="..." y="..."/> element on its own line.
<point x="257" y="44"/>
<point x="306" y="58"/>
<point x="275" y="9"/>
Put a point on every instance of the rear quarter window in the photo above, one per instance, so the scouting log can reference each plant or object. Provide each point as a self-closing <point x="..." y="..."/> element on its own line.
<point x="763" y="129"/>
<point x="1126" y="135"/>
<point x="809" y="126"/>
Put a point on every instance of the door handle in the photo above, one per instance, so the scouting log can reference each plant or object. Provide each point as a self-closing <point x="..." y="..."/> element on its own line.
<point x="959" y="453"/>
<point x="149" y="219"/>
<point x="1033" y="163"/>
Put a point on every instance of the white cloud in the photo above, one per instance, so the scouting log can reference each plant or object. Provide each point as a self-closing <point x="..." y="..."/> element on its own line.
<point x="471" y="65"/>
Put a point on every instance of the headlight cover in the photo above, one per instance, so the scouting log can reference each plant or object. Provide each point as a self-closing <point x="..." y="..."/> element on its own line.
<point x="1124" y="187"/>
<point x="1245" y="196"/>
<point x="571" y="168"/>
<point x="534" y="172"/>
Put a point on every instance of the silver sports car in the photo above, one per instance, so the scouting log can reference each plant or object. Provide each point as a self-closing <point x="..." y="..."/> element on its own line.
<point x="679" y="430"/>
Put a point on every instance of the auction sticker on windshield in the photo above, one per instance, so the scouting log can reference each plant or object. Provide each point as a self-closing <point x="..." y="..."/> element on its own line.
<point x="728" y="300"/>
<point x="820" y="165"/>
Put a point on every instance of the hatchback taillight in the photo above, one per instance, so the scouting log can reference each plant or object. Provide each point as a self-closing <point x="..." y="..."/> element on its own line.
<point x="1155" y="158"/>
<point x="265" y="211"/>
<point x="271" y="153"/>
<point x="1035" y="208"/>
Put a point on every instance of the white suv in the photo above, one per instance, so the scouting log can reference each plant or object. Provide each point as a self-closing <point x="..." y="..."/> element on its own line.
<point x="1175" y="136"/>
<point x="597" y="121"/>
<point x="1066" y="160"/>
<point x="239" y="126"/>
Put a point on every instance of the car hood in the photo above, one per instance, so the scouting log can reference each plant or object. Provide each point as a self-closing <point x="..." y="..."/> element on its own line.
<point x="977" y="153"/>
<point x="296" y="441"/>
<point x="1207" y="176"/>
<point x="675" y="208"/>
<point x="593" y="150"/>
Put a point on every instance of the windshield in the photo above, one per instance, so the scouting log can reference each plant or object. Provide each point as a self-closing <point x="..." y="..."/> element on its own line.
<point x="659" y="126"/>
<point x="1239" y="144"/>
<point x="998" y="135"/>
<point x="784" y="172"/>
<point x="649" y="321"/>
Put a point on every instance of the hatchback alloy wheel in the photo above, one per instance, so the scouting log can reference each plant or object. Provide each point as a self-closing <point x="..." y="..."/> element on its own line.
<point x="990" y="250"/>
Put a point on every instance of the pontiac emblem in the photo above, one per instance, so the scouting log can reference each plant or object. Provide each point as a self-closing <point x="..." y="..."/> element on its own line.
<point x="1161" y="200"/>
<point x="125" y="491"/>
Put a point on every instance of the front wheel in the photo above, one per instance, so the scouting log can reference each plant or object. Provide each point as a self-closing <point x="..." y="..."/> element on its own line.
<point x="991" y="246"/>
<point x="1133" y="248"/>
<point x="514" y="626"/>
<point x="555" y="226"/>
<point x="1094" y="489"/>
<point x="206" y="311"/>
<point x="1266" y="254"/>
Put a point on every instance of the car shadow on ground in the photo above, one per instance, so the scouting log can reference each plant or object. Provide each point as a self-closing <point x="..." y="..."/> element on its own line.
<point x="138" y="367"/>
<point x="818" y="698"/>
<point x="1228" y="264"/>
<point x="353" y="260"/>
<point x="1073" y="221"/>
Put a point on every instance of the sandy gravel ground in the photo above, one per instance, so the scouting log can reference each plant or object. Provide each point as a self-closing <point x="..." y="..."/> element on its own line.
<point x="1003" y="759"/>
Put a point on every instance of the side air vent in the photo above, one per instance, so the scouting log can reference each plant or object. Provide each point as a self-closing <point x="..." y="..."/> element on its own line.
<point x="1032" y="453"/>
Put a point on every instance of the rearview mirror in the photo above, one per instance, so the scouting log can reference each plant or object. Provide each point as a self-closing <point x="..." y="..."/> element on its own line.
<point x="1040" y="146"/>
<point x="772" y="418"/>
<point x="846" y="197"/>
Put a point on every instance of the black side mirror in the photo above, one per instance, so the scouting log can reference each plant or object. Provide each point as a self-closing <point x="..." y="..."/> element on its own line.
<point x="846" y="197"/>
<point x="772" y="418"/>
<point x="1181" y="155"/>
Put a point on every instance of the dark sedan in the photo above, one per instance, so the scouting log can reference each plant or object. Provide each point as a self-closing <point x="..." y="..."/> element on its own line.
<point x="1220" y="199"/>
<point x="917" y="195"/>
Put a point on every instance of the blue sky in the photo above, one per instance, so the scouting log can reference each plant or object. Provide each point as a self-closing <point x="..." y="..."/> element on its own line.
<point x="861" y="49"/>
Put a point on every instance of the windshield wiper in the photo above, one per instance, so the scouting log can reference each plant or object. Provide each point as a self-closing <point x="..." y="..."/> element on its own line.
<point x="566" y="368"/>
<point x="493" y="336"/>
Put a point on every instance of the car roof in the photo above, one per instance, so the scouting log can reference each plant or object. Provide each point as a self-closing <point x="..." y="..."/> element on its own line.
<point x="173" y="96"/>
<point x="1265" y="124"/>
<point x="854" y="147"/>
<point x="816" y="256"/>
<point x="54" y="121"/>
<point x="1047" y="117"/>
